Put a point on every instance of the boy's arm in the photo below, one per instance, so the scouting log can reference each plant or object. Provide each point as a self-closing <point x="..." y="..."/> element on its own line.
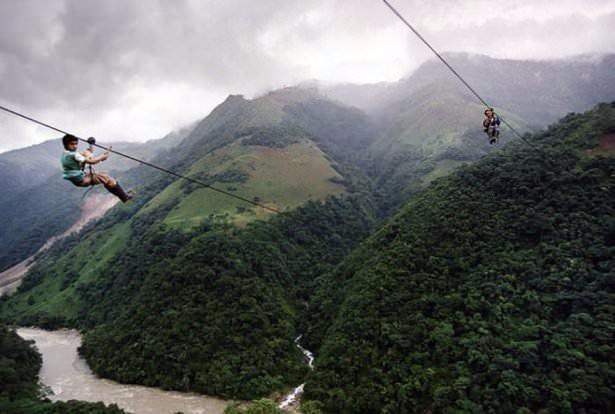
<point x="95" y="160"/>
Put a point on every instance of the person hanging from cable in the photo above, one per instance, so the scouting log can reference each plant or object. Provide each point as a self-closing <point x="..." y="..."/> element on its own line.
<point x="491" y="126"/>
<point x="74" y="162"/>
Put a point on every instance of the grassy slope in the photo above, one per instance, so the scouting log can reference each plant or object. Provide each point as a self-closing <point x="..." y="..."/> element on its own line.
<point x="285" y="177"/>
<point x="426" y="135"/>
<point x="280" y="177"/>
<point x="173" y="284"/>
<point x="488" y="292"/>
<point x="434" y="117"/>
<point x="430" y="117"/>
<point x="56" y="295"/>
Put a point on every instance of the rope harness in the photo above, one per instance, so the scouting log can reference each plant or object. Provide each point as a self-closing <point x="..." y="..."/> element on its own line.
<point x="91" y="141"/>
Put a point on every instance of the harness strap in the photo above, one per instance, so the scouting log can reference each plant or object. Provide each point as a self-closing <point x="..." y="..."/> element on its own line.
<point x="91" y="175"/>
<point x="91" y="141"/>
<point x="87" y="191"/>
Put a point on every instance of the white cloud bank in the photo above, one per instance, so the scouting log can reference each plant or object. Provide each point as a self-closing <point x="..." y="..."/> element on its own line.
<point x="135" y="70"/>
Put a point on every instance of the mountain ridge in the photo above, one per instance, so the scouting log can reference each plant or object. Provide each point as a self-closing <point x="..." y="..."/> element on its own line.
<point x="487" y="291"/>
<point x="37" y="204"/>
<point x="253" y="277"/>
<point x="172" y="274"/>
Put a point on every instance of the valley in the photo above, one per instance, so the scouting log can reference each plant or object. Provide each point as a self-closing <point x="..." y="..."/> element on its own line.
<point x="427" y="270"/>
<point x="92" y="209"/>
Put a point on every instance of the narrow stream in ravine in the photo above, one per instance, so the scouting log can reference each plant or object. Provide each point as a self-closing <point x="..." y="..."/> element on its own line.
<point x="293" y="398"/>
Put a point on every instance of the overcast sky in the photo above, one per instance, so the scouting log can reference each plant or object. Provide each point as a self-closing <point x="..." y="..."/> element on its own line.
<point x="138" y="69"/>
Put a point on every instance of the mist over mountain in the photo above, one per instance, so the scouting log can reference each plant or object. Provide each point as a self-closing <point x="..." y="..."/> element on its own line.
<point x="290" y="150"/>
<point x="417" y="129"/>
<point x="389" y="245"/>
<point x="539" y="91"/>
<point x="489" y="291"/>
<point x="429" y="123"/>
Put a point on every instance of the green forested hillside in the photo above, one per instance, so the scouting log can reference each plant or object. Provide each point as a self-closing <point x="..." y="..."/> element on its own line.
<point x="29" y="220"/>
<point x="219" y="313"/>
<point x="195" y="279"/>
<point x="425" y="136"/>
<point x="491" y="291"/>
<point x="26" y="167"/>
<point x="19" y="392"/>
<point x="185" y="289"/>
<point x="426" y="125"/>
<point x="429" y="123"/>
<point x="37" y="204"/>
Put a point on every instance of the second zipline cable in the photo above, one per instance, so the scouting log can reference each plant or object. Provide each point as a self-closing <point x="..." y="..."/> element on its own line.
<point x="480" y="98"/>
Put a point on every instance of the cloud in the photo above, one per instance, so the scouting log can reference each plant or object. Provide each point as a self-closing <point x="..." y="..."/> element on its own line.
<point x="136" y="70"/>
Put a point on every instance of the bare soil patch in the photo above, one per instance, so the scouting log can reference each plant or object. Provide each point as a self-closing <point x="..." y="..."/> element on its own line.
<point x="606" y="146"/>
<point x="607" y="142"/>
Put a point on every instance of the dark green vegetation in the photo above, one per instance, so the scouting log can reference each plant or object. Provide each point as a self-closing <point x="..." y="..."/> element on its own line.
<point x="19" y="393"/>
<point x="491" y="291"/>
<point x="191" y="290"/>
<point x="215" y="310"/>
<point x="32" y="216"/>
<point x="262" y="406"/>
<point x="267" y="406"/>
<point x="184" y="289"/>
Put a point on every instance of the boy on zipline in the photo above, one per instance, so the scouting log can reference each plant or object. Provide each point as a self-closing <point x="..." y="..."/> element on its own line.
<point x="73" y="164"/>
<point x="491" y="126"/>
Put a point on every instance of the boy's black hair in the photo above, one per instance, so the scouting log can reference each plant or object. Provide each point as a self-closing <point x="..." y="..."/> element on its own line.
<point x="67" y="139"/>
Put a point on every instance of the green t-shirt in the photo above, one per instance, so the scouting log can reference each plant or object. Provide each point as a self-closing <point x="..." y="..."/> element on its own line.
<point x="71" y="164"/>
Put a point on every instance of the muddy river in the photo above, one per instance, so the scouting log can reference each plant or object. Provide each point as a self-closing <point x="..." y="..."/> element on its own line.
<point x="68" y="376"/>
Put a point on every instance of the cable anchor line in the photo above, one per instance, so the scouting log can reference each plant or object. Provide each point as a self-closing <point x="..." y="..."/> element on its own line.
<point x="467" y="85"/>
<point x="149" y="164"/>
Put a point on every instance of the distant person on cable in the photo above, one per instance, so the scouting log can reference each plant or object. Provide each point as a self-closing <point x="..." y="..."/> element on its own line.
<point x="74" y="163"/>
<point x="491" y="126"/>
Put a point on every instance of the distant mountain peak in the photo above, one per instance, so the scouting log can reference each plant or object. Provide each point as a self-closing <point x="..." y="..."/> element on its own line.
<point x="234" y="98"/>
<point x="290" y="95"/>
